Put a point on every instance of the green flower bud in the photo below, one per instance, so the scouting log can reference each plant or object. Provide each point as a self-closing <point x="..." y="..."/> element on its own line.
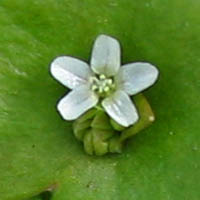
<point x="101" y="135"/>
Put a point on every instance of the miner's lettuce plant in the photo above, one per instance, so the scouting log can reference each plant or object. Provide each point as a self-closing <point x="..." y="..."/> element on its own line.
<point x="38" y="151"/>
<point x="104" y="85"/>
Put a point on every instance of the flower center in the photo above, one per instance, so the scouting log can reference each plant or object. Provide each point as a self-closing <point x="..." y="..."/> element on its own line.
<point x="102" y="85"/>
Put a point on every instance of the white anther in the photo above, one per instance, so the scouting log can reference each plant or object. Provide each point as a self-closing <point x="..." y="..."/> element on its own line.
<point x="102" y="77"/>
<point x="106" y="89"/>
<point x="109" y="81"/>
<point x="100" y="89"/>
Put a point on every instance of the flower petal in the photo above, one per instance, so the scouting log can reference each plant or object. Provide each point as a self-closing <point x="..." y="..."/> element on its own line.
<point x="135" y="77"/>
<point x="120" y="107"/>
<point x="106" y="56"/>
<point x="77" y="102"/>
<point x="71" y="72"/>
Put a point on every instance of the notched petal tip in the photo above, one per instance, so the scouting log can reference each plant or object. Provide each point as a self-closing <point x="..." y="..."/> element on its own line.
<point x="69" y="71"/>
<point x="135" y="119"/>
<point x="136" y="77"/>
<point x="63" y="113"/>
<point x="104" y="36"/>
<point x="53" y="67"/>
<point x="106" y="55"/>
<point x="155" y="70"/>
<point x="77" y="102"/>
<point x="56" y="63"/>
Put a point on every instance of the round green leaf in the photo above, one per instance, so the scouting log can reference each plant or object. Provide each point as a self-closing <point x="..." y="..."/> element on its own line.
<point x="38" y="150"/>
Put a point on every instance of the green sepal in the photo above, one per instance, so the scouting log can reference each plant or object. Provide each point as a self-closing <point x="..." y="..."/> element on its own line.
<point x="88" y="144"/>
<point x="101" y="134"/>
<point x="101" y="121"/>
<point x="146" y="117"/>
<point x="87" y="116"/>
<point x="79" y="129"/>
<point x="80" y="134"/>
<point x="101" y="140"/>
<point x="115" y="145"/>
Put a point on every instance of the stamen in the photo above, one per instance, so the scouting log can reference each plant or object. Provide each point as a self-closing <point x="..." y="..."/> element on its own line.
<point x="100" y="89"/>
<point x="102" y="77"/>
<point x="106" y="89"/>
<point x="109" y="81"/>
<point x="102" y="85"/>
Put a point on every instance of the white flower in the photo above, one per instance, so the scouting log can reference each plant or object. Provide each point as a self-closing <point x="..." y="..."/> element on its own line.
<point x="105" y="82"/>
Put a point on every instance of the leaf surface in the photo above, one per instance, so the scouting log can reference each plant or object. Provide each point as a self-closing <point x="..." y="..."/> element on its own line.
<point x="37" y="148"/>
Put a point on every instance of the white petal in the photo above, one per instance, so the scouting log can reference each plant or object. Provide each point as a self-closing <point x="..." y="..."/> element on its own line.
<point x="71" y="72"/>
<point x="105" y="56"/>
<point x="120" y="107"/>
<point x="135" y="77"/>
<point x="77" y="102"/>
